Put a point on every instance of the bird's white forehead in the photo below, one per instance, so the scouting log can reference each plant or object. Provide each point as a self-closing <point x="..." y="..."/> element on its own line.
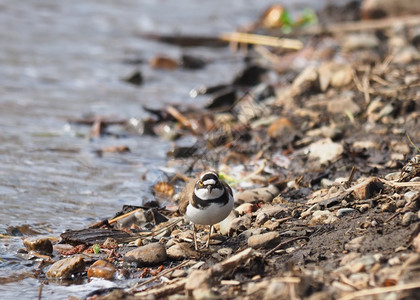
<point x="209" y="182"/>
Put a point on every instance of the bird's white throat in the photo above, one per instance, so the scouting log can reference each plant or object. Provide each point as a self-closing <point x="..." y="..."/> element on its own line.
<point x="204" y="193"/>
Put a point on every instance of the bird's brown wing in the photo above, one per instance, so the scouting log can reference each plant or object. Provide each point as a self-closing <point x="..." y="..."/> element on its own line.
<point x="227" y="188"/>
<point x="185" y="196"/>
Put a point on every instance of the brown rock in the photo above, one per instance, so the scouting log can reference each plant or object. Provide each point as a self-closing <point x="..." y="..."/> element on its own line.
<point x="355" y="243"/>
<point x="368" y="188"/>
<point x="101" y="269"/>
<point x="416" y="243"/>
<point x="66" y="267"/>
<point x="162" y="62"/>
<point x="181" y="251"/>
<point x="264" y="240"/>
<point x="265" y="194"/>
<point x="149" y="255"/>
<point x="279" y="128"/>
<point x="325" y="150"/>
<point x="41" y="245"/>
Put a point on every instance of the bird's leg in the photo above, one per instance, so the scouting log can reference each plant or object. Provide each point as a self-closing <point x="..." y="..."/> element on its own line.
<point x="195" y="237"/>
<point x="210" y="232"/>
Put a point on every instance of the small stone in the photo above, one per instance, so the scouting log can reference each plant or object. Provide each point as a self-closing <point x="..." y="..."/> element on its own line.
<point x="326" y="183"/>
<point x="408" y="218"/>
<point x="388" y="207"/>
<point x="181" y="251"/>
<point x="198" y="279"/>
<point x="325" y="150"/>
<point x="276" y="290"/>
<point x="225" y="227"/>
<point x="264" y="240"/>
<point x="225" y="251"/>
<point x="393" y="176"/>
<point x="355" y="243"/>
<point x="271" y="225"/>
<point x="179" y="273"/>
<point x="344" y="211"/>
<point x="411" y="196"/>
<point x="322" y="217"/>
<point x="149" y="255"/>
<point x="101" y="269"/>
<point x="261" y="218"/>
<point x="279" y="128"/>
<point x="344" y="105"/>
<point x="264" y="194"/>
<point x="163" y="62"/>
<point x="41" y="245"/>
<point x="360" y="41"/>
<point x="245" y="208"/>
<point x="240" y="224"/>
<point x="364" y="207"/>
<point x="400" y="203"/>
<point x="367" y="188"/>
<point x="348" y="258"/>
<point x="64" y="268"/>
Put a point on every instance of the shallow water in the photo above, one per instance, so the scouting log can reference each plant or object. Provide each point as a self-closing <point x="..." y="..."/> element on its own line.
<point x="63" y="59"/>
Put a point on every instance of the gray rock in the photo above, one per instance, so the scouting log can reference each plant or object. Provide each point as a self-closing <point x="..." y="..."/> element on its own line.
<point x="344" y="211"/>
<point x="66" y="267"/>
<point x="181" y="251"/>
<point x="355" y="243"/>
<point x="226" y="225"/>
<point x="408" y="218"/>
<point x="325" y="150"/>
<point x="410" y="196"/>
<point x="41" y="245"/>
<point x="264" y="194"/>
<point x="240" y="224"/>
<point x="149" y="255"/>
<point x="264" y="240"/>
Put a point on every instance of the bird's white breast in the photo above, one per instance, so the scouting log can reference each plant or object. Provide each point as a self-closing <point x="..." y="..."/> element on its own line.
<point x="212" y="214"/>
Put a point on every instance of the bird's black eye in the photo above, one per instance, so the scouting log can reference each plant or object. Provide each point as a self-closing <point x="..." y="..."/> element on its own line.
<point x="201" y="183"/>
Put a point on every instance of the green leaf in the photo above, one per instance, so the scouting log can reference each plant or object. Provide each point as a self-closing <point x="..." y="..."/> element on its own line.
<point x="96" y="248"/>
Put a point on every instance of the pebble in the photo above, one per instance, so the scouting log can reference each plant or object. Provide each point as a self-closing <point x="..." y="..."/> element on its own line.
<point x="64" y="268"/>
<point x="101" y="269"/>
<point x="163" y="62"/>
<point x="264" y="240"/>
<point x="261" y="218"/>
<point x="179" y="273"/>
<point x="408" y="218"/>
<point x="240" y="224"/>
<point x="181" y="251"/>
<point x="149" y="255"/>
<point x="41" y="245"/>
<point x="345" y="104"/>
<point x="367" y="188"/>
<point x="355" y="243"/>
<point x="325" y="150"/>
<point x="322" y="217"/>
<point x="344" y="211"/>
<point x="225" y="251"/>
<point x="264" y="194"/>
<point x="225" y="227"/>
<point x="326" y="183"/>
<point x="400" y="203"/>
<point x="410" y="196"/>
<point x="271" y="225"/>
<point x="244" y="208"/>
<point x="360" y="41"/>
<point x="279" y="128"/>
<point x="388" y="207"/>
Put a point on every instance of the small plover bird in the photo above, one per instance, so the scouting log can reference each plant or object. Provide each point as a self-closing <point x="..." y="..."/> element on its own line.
<point x="206" y="201"/>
